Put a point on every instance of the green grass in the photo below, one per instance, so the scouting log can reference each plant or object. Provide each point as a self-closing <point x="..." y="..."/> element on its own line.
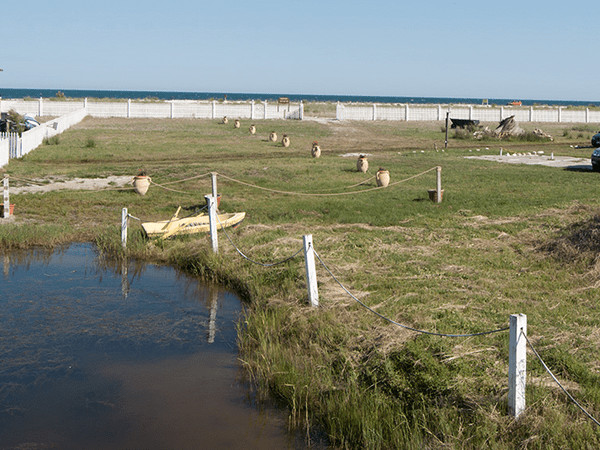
<point x="507" y="239"/>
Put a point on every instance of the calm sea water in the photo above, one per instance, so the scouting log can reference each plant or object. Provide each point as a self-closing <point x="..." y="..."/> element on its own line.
<point x="172" y="95"/>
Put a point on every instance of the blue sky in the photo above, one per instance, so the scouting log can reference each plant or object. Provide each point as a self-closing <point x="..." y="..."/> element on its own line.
<point x="478" y="49"/>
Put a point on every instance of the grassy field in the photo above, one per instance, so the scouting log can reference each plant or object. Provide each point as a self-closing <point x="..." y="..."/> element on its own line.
<point x="506" y="239"/>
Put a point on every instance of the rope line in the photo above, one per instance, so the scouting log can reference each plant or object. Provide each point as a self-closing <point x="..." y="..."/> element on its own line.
<point x="558" y="382"/>
<point x="289" y="258"/>
<point x="133" y="217"/>
<point x="187" y="179"/>
<point x="399" y="324"/>
<point x="169" y="189"/>
<point x="308" y="194"/>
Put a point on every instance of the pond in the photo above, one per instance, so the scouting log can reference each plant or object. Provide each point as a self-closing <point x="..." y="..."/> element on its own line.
<point x="95" y="355"/>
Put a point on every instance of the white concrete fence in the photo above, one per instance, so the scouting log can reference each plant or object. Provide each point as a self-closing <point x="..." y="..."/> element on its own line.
<point x="15" y="146"/>
<point x="174" y="109"/>
<point x="405" y="112"/>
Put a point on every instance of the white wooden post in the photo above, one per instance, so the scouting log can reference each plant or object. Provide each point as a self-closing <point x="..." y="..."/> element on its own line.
<point x="128" y="108"/>
<point x="124" y="216"/>
<point x="172" y="109"/>
<point x="406" y="112"/>
<point x="252" y="110"/>
<point x="265" y="111"/>
<point x="439" y="184"/>
<point x="213" y="177"/>
<point x="374" y="111"/>
<point x="311" y="272"/>
<point x="211" y="202"/>
<point x="6" y="198"/>
<point x="41" y="107"/>
<point x="517" y="364"/>
<point x="214" y="109"/>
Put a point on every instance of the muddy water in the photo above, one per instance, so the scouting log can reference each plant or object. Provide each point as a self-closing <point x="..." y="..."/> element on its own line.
<point x="94" y="356"/>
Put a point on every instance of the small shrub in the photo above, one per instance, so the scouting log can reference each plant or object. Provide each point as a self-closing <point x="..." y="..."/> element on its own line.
<point x="54" y="140"/>
<point x="90" y="143"/>
<point x="462" y="133"/>
<point x="566" y="133"/>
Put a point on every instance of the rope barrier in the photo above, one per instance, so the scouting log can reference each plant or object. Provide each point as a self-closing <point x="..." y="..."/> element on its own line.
<point x="172" y="190"/>
<point x="133" y="217"/>
<point x="187" y="179"/>
<point x="399" y="324"/>
<point x="289" y="258"/>
<point x="308" y="194"/>
<point x="558" y="382"/>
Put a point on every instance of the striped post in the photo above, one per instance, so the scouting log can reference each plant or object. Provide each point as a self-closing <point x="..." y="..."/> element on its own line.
<point x="517" y="364"/>
<point x="439" y="184"/>
<point x="6" y="198"/>
<point x="311" y="272"/>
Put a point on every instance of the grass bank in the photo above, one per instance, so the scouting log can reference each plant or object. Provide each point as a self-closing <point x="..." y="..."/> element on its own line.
<point x="507" y="239"/>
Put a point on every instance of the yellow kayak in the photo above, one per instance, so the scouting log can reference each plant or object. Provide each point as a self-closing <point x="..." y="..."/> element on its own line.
<point x="190" y="225"/>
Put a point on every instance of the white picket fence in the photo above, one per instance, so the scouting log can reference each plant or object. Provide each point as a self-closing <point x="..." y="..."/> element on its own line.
<point x="14" y="146"/>
<point x="408" y="112"/>
<point x="159" y="109"/>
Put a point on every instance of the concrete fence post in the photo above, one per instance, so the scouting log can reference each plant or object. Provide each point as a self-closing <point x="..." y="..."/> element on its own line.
<point x="213" y="179"/>
<point x="265" y="111"/>
<point x="470" y="112"/>
<point x="172" y="111"/>
<point x="85" y="103"/>
<point x="338" y="111"/>
<point x="439" y="115"/>
<point x="41" y="107"/>
<point x="406" y="112"/>
<point x="214" y="110"/>
<point x="531" y="113"/>
<point x="300" y="110"/>
<point x="439" y="184"/>
<point x="501" y="113"/>
<point x="128" y="108"/>
<point x="252" y="110"/>
<point x="587" y="115"/>
<point x="517" y="364"/>
<point x="374" y="111"/>
<point x="6" y="197"/>
<point x="124" y="216"/>
<point x="311" y="272"/>
<point x="211" y="202"/>
<point x="559" y="114"/>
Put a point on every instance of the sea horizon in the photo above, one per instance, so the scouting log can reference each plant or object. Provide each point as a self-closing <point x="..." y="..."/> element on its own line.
<point x="19" y="93"/>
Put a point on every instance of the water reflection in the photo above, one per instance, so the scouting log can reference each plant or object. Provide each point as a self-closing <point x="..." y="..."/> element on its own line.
<point x="104" y="354"/>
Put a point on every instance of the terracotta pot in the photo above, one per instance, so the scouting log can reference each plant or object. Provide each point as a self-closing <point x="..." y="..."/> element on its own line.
<point x="316" y="151"/>
<point x="273" y="136"/>
<point x="433" y="195"/>
<point x="252" y="129"/>
<point x="141" y="183"/>
<point x="362" y="165"/>
<point x="11" y="209"/>
<point x="383" y="178"/>
<point x="225" y="119"/>
<point x="237" y="124"/>
<point x="285" y="141"/>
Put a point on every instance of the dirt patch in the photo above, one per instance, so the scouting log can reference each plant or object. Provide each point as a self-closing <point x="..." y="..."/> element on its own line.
<point x="540" y="160"/>
<point x="41" y="185"/>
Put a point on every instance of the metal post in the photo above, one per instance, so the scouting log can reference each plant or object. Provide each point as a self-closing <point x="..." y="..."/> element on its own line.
<point x="517" y="364"/>
<point x="6" y="198"/>
<point x="446" y="141"/>
<point x="439" y="184"/>
<point x="124" y="216"/>
<point x="311" y="273"/>
<point x="211" y="202"/>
